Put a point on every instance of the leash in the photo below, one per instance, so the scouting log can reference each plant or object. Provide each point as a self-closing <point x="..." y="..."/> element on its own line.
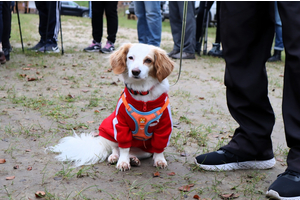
<point x="182" y="38"/>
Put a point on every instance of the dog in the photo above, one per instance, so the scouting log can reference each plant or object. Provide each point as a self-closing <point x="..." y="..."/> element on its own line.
<point x="141" y="125"/>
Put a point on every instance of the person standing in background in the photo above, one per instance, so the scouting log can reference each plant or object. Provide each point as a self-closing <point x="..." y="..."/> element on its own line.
<point x="149" y="22"/>
<point x="176" y="19"/>
<point x="111" y="13"/>
<point x="5" y="29"/>
<point x="49" y="12"/>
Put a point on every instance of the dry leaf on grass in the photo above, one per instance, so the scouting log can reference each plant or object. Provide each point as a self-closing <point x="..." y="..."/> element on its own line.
<point x="196" y="196"/>
<point x="10" y="178"/>
<point x="229" y="196"/>
<point x="156" y="174"/>
<point x="29" y="168"/>
<point x="40" y="194"/>
<point x="171" y="174"/>
<point x="2" y="161"/>
<point x="16" y="167"/>
<point x="186" y="188"/>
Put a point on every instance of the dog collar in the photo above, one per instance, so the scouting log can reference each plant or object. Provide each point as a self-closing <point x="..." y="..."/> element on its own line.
<point x="135" y="92"/>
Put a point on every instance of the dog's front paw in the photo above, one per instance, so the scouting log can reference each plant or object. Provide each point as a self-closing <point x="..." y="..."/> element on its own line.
<point x="159" y="160"/>
<point x="113" y="158"/>
<point x="123" y="165"/>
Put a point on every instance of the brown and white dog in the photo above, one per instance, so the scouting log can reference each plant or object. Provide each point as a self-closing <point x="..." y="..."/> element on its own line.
<point x="145" y="69"/>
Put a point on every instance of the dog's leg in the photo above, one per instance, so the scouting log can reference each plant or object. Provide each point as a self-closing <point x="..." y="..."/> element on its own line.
<point x="114" y="157"/>
<point x="123" y="162"/>
<point x="159" y="160"/>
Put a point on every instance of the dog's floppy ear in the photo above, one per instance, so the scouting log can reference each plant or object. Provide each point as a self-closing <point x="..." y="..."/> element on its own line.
<point x="118" y="59"/>
<point x="162" y="64"/>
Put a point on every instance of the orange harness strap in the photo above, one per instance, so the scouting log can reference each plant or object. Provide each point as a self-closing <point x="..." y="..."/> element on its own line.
<point x="143" y="119"/>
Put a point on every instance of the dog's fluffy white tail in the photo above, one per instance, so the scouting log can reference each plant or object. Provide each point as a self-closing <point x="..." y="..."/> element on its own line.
<point x="82" y="150"/>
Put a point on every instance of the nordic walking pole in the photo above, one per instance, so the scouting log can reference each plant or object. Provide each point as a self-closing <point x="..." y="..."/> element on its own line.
<point x="61" y="36"/>
<point x="17" y="8"/>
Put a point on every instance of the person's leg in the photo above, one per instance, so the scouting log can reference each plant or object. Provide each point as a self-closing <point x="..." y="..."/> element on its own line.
<point x="247" y="30"/>
<point x="142" y="24"/>
<point x="287" y="184"/>
<point x="97" y="20"/>
<point x="6" y="29"/>
<point x="52" y="27"/>
<point x="112" y="20"/>
<point x="153" y="18"/>
<point x="2" y="56"/>
<point x="215" y="51"/>
<point x="176" y="24"/>
<point x="111" y="13"/>
<point x="190" y="31"/>
<point x="278" y="47"/>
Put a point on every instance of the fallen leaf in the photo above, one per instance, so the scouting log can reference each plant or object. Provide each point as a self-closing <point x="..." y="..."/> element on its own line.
<point x="109" y="70"/>
<point x="171" y="173"/>
<point x="31" y="79"/>
<point x="29" y="168"/>
<point x="279" y="159"/>
<point x="2" y="161"/>
<point x="84" y="127"/>
<point x="201" y="98"/>
<point x="229" y="196"/>
<point x="27" y="150"/>
<point x="16" y="167"/>
<point x="185" y="188"/>
<point x="37" y="72"/>
<point x="74" y="65"/>
<point x="96" y="111"/>
<point x="40" y="194"/>
<point x="10" y="178"/>
<point x="114" y="83"/>
<point x="156" y="174"/>
<point x="26" y="68"/>
<point x="28" y="65"/>
<point x="183" y="154"/>
<point x="85" y="91"/>
<point x="23" y="75"/>
<point x="90" y="122"/>
<point x="62" y="122"/>
<point x="71" y="96"/>
<point x="196" y="196"/>
<point x="281" y="76"/>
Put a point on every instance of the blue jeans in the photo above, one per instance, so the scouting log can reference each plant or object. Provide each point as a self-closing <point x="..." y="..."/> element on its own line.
<point x="149" y="22"/>
<point x="278" y="31"/>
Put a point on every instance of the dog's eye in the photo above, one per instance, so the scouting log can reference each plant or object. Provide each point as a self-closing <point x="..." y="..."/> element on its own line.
<point x="130" y="58"/>
<point x="148" y="60"/>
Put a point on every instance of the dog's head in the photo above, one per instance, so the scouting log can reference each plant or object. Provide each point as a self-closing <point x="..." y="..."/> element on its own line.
<point x="140" y="61"/>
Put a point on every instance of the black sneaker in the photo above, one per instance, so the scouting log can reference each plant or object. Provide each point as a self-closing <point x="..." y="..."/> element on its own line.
<point x="39" y="45"/>
<point x="109" y="47"/>
<point x="94" y="47"/>
<point x="173" y="52"/>
<point x="50" y="48"/>
<point x="215" y="51"/>
<point x="285" y="187"/>
<point x="223" y="160"/>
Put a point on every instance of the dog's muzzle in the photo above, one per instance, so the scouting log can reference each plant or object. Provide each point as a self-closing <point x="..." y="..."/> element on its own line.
<point x="136" y="73"/>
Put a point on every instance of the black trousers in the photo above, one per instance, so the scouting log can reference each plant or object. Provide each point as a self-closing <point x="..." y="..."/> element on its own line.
<point x="49" y="16"/>
<point x="111" y="13"/>
<point x="5" y="23"/>
<point x="247" y="30"/>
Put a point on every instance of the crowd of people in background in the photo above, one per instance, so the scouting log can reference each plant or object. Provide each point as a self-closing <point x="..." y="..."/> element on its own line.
<point x="246" y="30"/>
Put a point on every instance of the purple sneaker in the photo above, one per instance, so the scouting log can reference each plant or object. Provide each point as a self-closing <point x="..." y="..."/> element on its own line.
<point x="94" y="47"/>
<point x="109" y="47"/>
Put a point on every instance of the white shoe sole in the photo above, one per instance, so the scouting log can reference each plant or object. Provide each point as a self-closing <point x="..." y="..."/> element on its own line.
<point x="266" y="164"/>
<point x="275" y="195"/>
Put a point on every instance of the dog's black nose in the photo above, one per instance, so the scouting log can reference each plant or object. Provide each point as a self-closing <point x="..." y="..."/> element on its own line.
<point x="136" y="72"/>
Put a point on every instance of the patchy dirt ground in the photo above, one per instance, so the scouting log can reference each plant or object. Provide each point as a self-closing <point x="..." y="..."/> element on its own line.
<point x="77" y="91"/>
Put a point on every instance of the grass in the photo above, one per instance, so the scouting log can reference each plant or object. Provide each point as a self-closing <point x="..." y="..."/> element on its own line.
<point x="77" y="92"/>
